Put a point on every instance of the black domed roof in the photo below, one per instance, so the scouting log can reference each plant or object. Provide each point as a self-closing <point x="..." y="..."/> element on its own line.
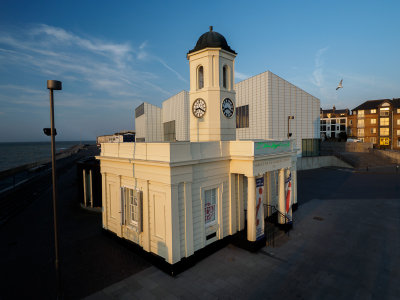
<point x="212" y="39"/>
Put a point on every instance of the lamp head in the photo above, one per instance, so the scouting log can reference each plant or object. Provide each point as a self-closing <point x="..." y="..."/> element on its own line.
<point x="54" y="85"/>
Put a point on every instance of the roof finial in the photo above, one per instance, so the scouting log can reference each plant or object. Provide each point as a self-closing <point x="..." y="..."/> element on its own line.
<point x="211" y="28"/>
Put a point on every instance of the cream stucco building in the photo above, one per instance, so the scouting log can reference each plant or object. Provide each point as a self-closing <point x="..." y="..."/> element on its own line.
<point x="175" y="198"/>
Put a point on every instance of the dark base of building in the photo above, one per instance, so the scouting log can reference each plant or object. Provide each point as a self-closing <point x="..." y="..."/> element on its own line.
<point x="172" y="269"/>
<point x="295" y="206"/>
<point x="285" y="227"/>
<point x="239" y="239"/>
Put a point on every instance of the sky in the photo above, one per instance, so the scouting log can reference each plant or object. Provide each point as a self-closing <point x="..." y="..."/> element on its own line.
<point x="113" y="55"/>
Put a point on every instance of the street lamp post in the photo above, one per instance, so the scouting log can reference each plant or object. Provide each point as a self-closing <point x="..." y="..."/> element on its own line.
<point x="54" y="85"/>
<point x="289" y="134"/>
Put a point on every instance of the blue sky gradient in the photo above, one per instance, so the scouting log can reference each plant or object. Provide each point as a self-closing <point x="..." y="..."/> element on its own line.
<point x="113" y="56"/>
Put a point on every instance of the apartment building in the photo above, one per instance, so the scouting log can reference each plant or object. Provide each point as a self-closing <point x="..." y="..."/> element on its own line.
<point x="377" y="122"/>
<point x="333" y="122"/>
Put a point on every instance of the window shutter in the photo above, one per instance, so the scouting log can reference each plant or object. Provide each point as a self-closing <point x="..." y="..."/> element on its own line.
<point x="140" y="211"/>
<point x="122" y="206"/>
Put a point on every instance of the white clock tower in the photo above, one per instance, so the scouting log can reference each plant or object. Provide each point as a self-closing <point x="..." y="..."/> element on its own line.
<point x="212" y="94"/>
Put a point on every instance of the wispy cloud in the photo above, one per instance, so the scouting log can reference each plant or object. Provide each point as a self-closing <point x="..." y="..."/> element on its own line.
<point x="143" y="55"/>
<point x="241" y="76"/>
<point x="86" y="62"/>
<point x="318" y="76"/>
<point x="326" y="91"/>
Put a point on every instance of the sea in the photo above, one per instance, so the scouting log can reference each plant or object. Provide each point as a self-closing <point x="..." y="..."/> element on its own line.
<point x="16" y="154"/>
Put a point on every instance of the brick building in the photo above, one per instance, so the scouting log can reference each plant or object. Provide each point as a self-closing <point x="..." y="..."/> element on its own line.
<point x="378" y="122"/>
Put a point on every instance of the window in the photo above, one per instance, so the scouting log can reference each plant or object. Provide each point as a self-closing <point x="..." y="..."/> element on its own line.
<point x="224" y="77"/>
<point x="139" y="110"/>
<point x="131" y="212"/>
<point x="373" y="130"/>
<point x="323" y="121"/>
<point x="350" y="122"/>
<point x="373" y="121"/>
<point x="210" y="206"/>
<point x="398" y="142"/>
<point x="384" y="121"/>
<point x="333" y="121"/>
<point x="342" y="121"/>
<point x="373" y="111"/>
<point x="323" y="128"/>
<point x="328" y="128"/>
<point x="342" y="128"/>
<point x="384" y="141"/>
<point x="361" y="113"/>
<point x="169" y="131"/>
<point x="384" y="111"/>
<point x="310" y="147"/>
<point x="360" y="123"/>
<point x="398" y="131"/>
<point x="398" y="110"/>
<point x="398" y="122"/>
<point x="200" y="77"/>
<point x="242" y="116"/>
<point x="226" y="83"/>
<point x="373" y="140"/>
<point x="132" y="207"/>
<point x="360" y="132"/>
<point x="384" y="131"/>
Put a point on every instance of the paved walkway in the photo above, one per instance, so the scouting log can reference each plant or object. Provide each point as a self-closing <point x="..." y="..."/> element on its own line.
<point x="340" y="248"/>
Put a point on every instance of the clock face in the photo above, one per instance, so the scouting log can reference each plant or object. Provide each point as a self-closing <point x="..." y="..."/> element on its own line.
<point x="199" y="108"/>
<point x="228" y="108"/>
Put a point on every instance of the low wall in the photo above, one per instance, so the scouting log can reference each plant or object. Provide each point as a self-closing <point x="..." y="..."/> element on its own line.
<point x="329" y="148"/>
<point x="392" y="154"/>
<point x="315" y="162"/>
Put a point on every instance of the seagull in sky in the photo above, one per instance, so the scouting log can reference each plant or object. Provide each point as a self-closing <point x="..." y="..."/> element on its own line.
<point x="340" y="85"/>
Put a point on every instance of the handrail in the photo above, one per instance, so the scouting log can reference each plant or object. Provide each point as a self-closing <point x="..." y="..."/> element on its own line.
<point x="279" y="212"/>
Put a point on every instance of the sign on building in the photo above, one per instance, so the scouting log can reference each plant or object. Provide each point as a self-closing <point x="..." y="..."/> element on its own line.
<point x="259" y="208"/>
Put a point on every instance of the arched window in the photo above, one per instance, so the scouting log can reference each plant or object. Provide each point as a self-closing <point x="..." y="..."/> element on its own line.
<point x="225" y="77"/>
<point x="200" y="77"/>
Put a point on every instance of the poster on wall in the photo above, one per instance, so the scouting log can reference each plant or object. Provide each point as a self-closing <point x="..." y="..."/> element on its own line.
<point x="259" y="208"/>
<point x="288" y="185"/>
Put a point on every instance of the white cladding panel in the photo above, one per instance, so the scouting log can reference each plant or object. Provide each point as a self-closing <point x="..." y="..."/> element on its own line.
<point x="148" y="125"/>
<point x="141" y="126"/>
<point x="177" y="108"/>
<point x="271" y="100"/>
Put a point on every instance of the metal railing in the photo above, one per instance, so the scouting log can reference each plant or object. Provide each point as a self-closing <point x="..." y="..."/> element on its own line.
<point x="271" y="220"/>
